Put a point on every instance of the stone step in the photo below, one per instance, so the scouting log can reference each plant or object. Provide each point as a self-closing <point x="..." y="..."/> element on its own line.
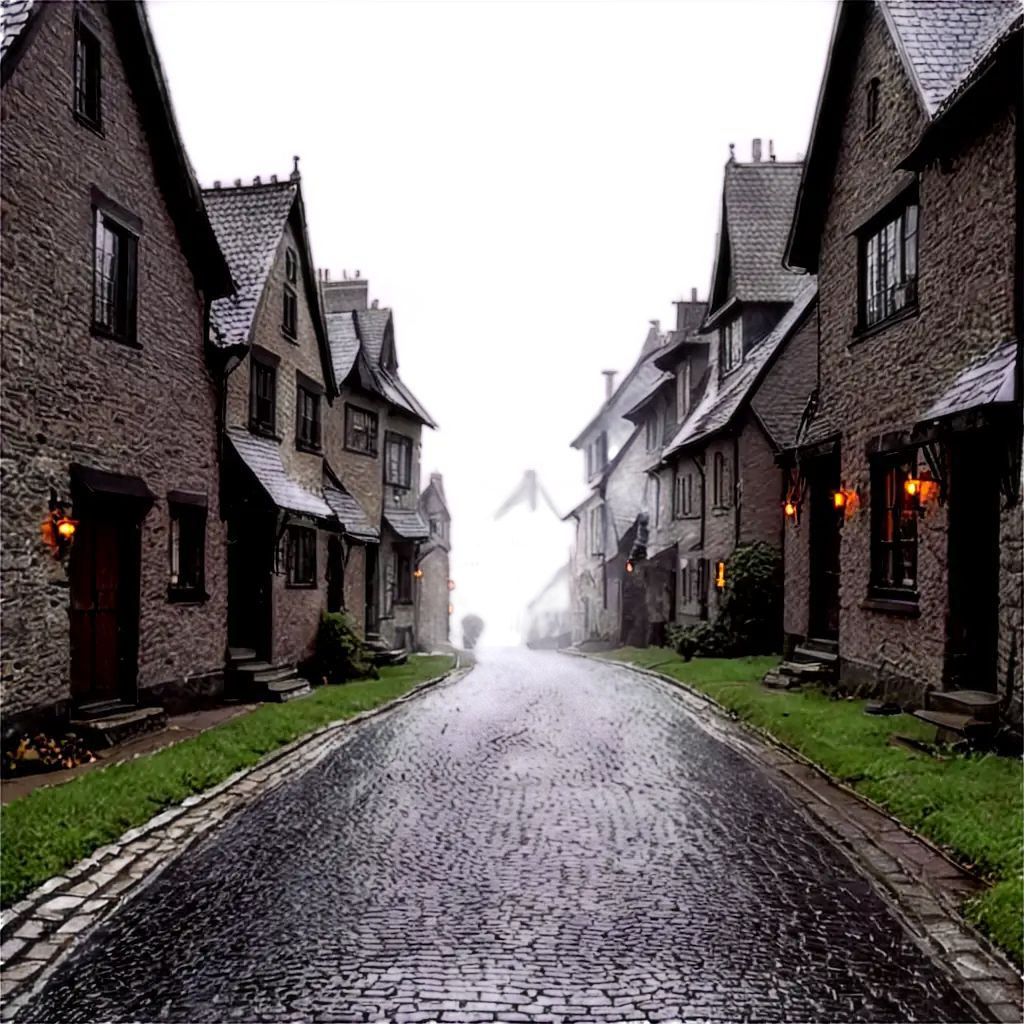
<point x="816" y="654"/>
<point x="251" y="668"/>
<point x="398" y="656"/>
<point x="98" y="733"/>
<point x="952" y="725"/>
<point x="282" y="690"/>
<point x="775" y="680"/>
<point x="102" y="709"/>
<point x="240" y="654"/>
<point x="975" y="703"/>
<point x="805" y="669"/>
<point x="275" y="675"/>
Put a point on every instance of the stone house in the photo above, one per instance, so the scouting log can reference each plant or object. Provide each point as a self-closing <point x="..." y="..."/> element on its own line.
<point x="717" y="484"/>
<point x="904" y="560"/>
<point x="375" y="445"/>
<point x="114" y="583"/>
<point x="283" y="536"/>
<point x="433" y="563"/>
<point x="607" y="520"/>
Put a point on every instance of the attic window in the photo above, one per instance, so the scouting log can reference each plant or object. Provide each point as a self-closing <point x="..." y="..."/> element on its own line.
<point x="731" y="345"/>
<point x="290" y="313"/>
<point x="87" y="75"/>
<point x="871" y="104"/>
<point x="652" y="431"/>
<point x="291" y="266"/>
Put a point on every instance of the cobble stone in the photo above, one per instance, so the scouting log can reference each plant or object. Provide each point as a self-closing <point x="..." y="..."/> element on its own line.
<point x="550" y="838"/>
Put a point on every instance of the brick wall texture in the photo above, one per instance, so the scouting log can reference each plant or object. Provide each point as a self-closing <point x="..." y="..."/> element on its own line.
<point x="68" y="396"/>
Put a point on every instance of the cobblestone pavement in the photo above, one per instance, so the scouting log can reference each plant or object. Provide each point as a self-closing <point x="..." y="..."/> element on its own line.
<point x="549" y="839"/>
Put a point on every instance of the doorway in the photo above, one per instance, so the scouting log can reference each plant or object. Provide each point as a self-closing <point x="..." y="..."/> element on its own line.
<point x="250" y="568"/>
<point x="823" y="481"/>
<point x="972" y="625"/>
<point x="372" y="612"/>
<point x="335" y="575"/>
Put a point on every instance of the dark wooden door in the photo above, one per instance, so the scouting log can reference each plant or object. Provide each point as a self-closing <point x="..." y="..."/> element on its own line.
<point x="825" y="522"/>
<point x="104" y="574"/>
<point x="250" y="563"/>
<point x="335" y="575"/>
<point x="972" y="626"/>
<point x="372" y="612"/>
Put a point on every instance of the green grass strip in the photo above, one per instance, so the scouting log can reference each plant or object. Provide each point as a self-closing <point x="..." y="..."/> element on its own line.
<point x="50" y="829"/>
<point x="971" y="805"/>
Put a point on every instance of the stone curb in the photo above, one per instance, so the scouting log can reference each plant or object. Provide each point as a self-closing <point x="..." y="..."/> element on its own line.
<point x="40" y="931"/>
<point x="863" y="831"/>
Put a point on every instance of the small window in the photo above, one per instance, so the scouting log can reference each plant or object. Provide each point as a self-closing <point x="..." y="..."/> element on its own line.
<point x="683" y="389"/>
<point x="720" y="482"/>
<point x="683" y="495"/>
<point x="291" y="266"/>
<point x="652" y="432"/>
<point x="731" y="345"/>
<point x="87" y="75"/>
<point x="290" y="314"/>
<point x="597" y="522"/>
<point x="307" y="415"/>
<point x="360" y="430"/>
<point x="263" y="398"/>
<point x="871" y="104"/>
<point x="187" y="552"/>
<point x="300" y="554"/>
<point x="398" y="460"/>
<point x="888" y="268"/>
<point x="597" y="455"/>
<point x="657" y="500"/>
<point x="893" y="525"/>
<point x="115" y="273"/>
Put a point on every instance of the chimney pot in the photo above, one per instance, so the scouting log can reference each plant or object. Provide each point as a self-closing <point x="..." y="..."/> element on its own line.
<point x="732" y="151"/>
<point x="693" y="294"/>
<point x="771" y="150"/>
<point x="327" y="273"/>
<point x="295" y="170"/>
<point x="273" y="179"/>
<point x="375" y="304"/>
<point x="357" y="275"/>
<point x="609" y="383"/>
<point x="216" y="184"/>
<point x="755" y="150"/>
<point x="238" y="182"/>
<point x="256" y="180"/>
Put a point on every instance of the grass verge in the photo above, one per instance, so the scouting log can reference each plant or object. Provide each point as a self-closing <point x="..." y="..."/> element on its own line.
<point x="50" y="829"/>
<point x="971" y="805"/>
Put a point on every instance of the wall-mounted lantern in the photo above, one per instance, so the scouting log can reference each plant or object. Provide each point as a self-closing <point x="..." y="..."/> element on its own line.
<point x="845" y="500"/>
<point x="58" y="529"/>
<point x="451" y="584"/>
<point x="418" y="574"/>
<point x="450" y="609"/>
<point x="790" y="509"/>
<point x="921" y="490"/>
<point x="629" y="566"/>
<point x="720" y="576"/>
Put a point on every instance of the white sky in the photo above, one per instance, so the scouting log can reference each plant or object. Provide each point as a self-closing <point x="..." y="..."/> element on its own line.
<point x="526" y="184"/>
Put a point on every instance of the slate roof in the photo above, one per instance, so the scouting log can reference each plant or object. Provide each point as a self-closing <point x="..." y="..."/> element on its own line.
<point x="943" y="41"/>
<point x="343" y="341"/>
<point x="372" y="325"/>
<point x="14" y="16"/>
<point x="248" y="221"/>
<point x="349" y="512"/>
<point x="263" y="457"/>
<point x="716" y="409"/>
<point x="407" y="523"/>
<point x="986" y="381"/>
<point x="757" y="210"/>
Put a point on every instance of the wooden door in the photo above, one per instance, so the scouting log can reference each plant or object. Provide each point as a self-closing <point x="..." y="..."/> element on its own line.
<point x="823" y="619"/>
<point x="250" y="561"/>
<point x="335" y="576"/>
<point x="372" y="619"/>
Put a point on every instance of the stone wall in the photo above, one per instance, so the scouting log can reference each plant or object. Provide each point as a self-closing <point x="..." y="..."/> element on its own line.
<point x="67" y="395"/>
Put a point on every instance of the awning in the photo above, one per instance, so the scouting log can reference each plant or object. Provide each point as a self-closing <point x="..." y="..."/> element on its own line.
<point x="350" y="514"/>
<point x="986" y="382"/>
<point x="89" y="484"/>
<point x="263" y="457"/>
<point x="407" y="523"/>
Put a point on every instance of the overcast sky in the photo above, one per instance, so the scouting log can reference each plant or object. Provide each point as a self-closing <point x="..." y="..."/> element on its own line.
<point x="526" y="185"/>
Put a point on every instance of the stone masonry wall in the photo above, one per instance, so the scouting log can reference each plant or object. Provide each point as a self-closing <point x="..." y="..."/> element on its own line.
<point x="759" y="495"/>
<point x="68" y="396"/>
<point x="434" y="599"/>
<point x="886" y="380"/>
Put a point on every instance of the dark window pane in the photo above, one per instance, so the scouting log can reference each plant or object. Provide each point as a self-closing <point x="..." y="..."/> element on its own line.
<point x="87" y="75"/>
<point x="290" y="317"/>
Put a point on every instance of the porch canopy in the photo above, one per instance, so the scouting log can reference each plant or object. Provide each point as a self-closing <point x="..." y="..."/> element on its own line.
<point x="406" y="523"/>
<point x="350" y="514"/>
<point x="989" y="382"/>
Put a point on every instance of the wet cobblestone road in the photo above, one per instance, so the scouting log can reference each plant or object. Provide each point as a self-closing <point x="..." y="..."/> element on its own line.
<point x="548" y="839"/>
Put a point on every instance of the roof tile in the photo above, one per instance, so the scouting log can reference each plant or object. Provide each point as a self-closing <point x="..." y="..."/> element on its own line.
<point x="14" y="16"/>
<point x="407" y="523"/>
<point x="986" y="381"/>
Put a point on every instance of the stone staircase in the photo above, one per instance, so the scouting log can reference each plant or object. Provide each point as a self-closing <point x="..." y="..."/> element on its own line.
<point x="814" y="661"/>
<point x="971" y="715"/>
<point x="248" y="678"/>
<point x="381" y="653"/>
<point x="103" y="724"/>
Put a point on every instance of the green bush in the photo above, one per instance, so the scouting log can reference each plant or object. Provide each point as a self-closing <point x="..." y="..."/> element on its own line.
<point x="752" y="601"/>
<point x="340" y="654"/>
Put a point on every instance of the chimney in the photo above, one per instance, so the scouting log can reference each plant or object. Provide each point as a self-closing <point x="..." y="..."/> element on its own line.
<point x="238" y="182"/>
<point x="294" y="176"/>
<point x="256" y="180"/>
<point x="771" y="150"/>
<point x="375" y="304"/>
<point x="693" y="294"/>
<point x="345" y="295"/>
<point x="755" y="150"/>
<point x="273" y="179"/>
<point x="609" y="383"/>
<point x="216" y="184"/>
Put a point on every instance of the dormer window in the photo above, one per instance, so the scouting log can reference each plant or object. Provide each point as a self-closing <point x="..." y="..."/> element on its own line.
<point x="730" y="340"/>
<point x="652" y="432"/>
<point x="597" y="455"/>
<point x="683" y="386"/>
<point x="871" y="104"/>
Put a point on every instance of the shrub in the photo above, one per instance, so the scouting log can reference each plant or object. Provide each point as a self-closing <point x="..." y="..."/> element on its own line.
<point x="340" y="654"/>
<point x="752" y="602"/>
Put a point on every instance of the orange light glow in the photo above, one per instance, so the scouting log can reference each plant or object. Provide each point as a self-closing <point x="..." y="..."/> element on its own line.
<point x="418" y="573"/>
<point x="66" y="527"/>
<point x="451" y="584"/>
<point x="790" y="509"/>
<point x="720" y="578"/>
<point x="450" y="609"/>
<point x="629" y="567"/>
<point x="839" y="499"/>
<point x="912" y="485"/>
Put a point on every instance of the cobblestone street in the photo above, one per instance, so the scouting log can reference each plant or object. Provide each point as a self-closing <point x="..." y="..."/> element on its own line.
<point x="547" y="839"/>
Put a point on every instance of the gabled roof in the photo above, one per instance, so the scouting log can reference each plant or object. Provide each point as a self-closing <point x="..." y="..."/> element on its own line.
<point x="658" y="386"/>
<point x="716" y="410"/>
<point x="171" y="166"/>
<point x="435" y="487"/>
<point x="943" y="45"/>
<point x="989" y="380"/>
<point x="757" y="210"/>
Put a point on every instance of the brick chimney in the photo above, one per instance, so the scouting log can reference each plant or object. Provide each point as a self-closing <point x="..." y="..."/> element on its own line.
<point x="689" y="312"/>
<point x="609" y="383"/>
<point x="345" y="295"/>
<point x="755" y="150"/>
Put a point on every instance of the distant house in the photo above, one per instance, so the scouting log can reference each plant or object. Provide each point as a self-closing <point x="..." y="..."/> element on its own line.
<point x="433" y="563"/>
<point x="548" y="616"/>
<point x="113" y="549"/>
<point x="904" y="553"/>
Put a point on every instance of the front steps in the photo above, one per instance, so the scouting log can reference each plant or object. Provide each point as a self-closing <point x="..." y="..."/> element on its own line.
<point x="248" y="678"/>
<point x="381" y="653"/>
<point x="971" y="715"/>
<point x="106" y="723"/>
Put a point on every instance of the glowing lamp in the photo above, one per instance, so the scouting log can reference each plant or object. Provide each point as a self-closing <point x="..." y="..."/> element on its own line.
<point x="451" y="584"/>
<point x="790" y="509"/>
<point x="629" y="567"/>
<point x="66" y="527"/>
<point x="450" y="609"/>
<point x="839" y="499"/>
<point x="912" y="485"/>
<point x="418" y="574"/>
<point x="720" y="577"/>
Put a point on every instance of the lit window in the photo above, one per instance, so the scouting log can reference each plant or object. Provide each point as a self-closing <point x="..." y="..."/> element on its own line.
<point x="893" y="525"/>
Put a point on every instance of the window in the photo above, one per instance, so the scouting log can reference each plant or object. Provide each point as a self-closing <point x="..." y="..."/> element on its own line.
<point x="300" y="556"/>
<point x="187" y="578"/>
<point x="683" y="387"/>
<point x="262" y="397"/>
<point x="652" y="431"/>
<point x="893" y="525"/>
<point x="720" y="482"/>
<point x="360" y="430"/>
<point x="87" y="75"/>
<point x="657" y="500"/>
<point x="290" y="312"/>
<point x="731" y="345"/>
<point x="291" y="266"/>
<point x="871" y="104"/>
<point x="398" y="460"/>
<point x="115" y="269"/>
<point x="685" y="581"/>
<point x="597" y="455"/>
<point x="888" y="268"/>
<point x="683" y="495"/>
<point x="307" y="417"/>
<point x="597" y="530"/>
<point x="402" y="576"/>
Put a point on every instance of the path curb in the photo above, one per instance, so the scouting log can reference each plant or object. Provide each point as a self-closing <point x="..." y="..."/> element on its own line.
<point x="40" y="931"/>
<point x="917" y="888"/>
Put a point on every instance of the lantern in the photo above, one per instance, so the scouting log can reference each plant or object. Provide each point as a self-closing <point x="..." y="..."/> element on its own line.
<point x="58" y="529"/>
<point x="66" y="527"/>
<point x="418" y="574"/>
<point x="451" y="584"/>
<point x="629" y="567"/>
<point x="839" y="498"/>
<point x="720" y="576"/>
<point x="912" y="485"/>
<point x="790" y="509"/>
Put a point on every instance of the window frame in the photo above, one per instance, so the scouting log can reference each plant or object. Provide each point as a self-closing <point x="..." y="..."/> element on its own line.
<point x="393" y="439"/>
<point x="892" y="511"/>
<point x="122" y="324"/>
<point x="651" y="432"/>
<point x="300" y="554"/>
<point x="730" y="342"/>
<point x="683" y="389"/>
<point x="402" y="577"/>
<point x="373" y="436"/>
<point x="596" y="529"/>
<point x="290" y="313"/>
<point x="291" y="266"/>
<point x="682" y="495"/>
<point x="721" y="484"/>
<point x="310" y="440"/>
<point x="889" y="243"/>
<point x="187" y="517"/>
<point x="87" y="35"/>
<point x="262" y="363"/>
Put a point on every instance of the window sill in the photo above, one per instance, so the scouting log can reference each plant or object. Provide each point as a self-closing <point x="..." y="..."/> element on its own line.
<point x="305" y="446"/>
<point x="261" y="431"/>
<point x="360" y="451"/>
<point x="293" y="338"/>
<point x="906" y="606"/>
<point x="400" y="487"/>
<point x="193" y="597"/>
<point x="862" y="331"/>
<point x="94" y="126"/>
<point x="300" y="586"/>
<point x="407" y="604"/>
<point x="99" y="331"/>
<point x="721" y="510"/>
